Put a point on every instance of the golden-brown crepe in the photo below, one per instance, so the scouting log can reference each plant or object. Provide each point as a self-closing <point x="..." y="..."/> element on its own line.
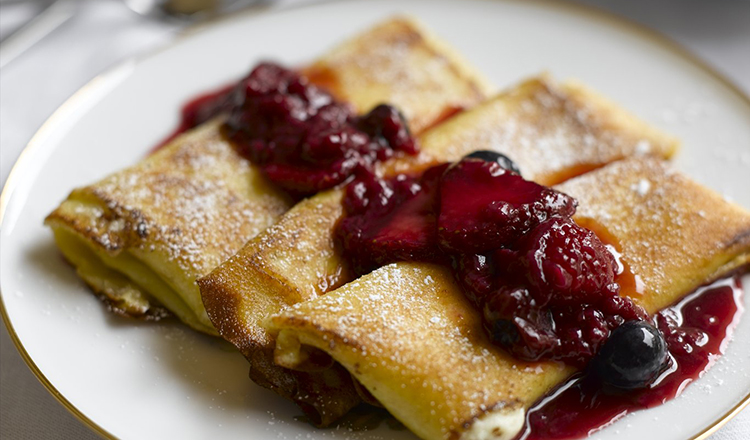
<point x="673" y="233"/>
<point x="407" y="333"/>
<point x="401" y="63"/>
<point x="141" y="236"/>
<point x="551" y="130"/>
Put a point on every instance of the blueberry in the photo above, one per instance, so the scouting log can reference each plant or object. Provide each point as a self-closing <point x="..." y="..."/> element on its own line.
<point x="491" y="156"/>
<point x="632" y="357"/>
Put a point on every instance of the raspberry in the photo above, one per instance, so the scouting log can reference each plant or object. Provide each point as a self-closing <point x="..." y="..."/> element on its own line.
<point x="567" y="262"/>
<point x="390" y="221"/>
<point x="483" y="206"/>
<point x="544" y="284"/>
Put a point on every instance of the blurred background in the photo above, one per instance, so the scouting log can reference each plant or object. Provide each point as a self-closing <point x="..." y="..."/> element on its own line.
<point x="49" y="49"/>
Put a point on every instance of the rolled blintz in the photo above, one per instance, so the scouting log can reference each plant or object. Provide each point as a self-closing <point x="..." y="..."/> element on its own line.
<point x="410" y="337"/>
<point x="142" y="236"/>
<point x="296" y="259"/>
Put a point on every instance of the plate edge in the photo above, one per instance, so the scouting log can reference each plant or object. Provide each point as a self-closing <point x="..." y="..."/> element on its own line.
<point x="104" y="78"/>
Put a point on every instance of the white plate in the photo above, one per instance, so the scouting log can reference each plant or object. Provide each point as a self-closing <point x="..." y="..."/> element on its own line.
<point x="136" y="380"/>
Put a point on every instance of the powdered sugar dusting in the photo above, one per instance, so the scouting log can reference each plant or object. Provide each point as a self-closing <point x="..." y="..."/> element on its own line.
<point x="425" y="345"/>
<point x="407" y="68"/>
<point x="642" y="187"/>
<point x="551" y="131"/>
<point x="186" y="202"/>
<point x="407" y="330"/>
<point x="671" y="231"/>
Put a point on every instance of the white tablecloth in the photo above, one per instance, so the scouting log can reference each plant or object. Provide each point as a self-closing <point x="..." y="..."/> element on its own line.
<point x="103" y="32"/>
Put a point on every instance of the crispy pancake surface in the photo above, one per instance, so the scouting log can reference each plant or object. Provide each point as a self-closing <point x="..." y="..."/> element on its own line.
<point x="296" y="259"/>
<point x="408" y="335"/>
<point x="405" y="65"/>
<point x="553" y="131"/>
<point x="164" y="222"/>
<point x="673" y="233"/>
<point x="142" y="236"/>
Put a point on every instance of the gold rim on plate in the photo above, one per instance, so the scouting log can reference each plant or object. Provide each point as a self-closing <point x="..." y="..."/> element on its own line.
<point x="110" y="78"/>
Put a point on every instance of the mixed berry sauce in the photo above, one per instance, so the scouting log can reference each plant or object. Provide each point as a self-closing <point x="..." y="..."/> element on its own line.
<point x="297" y="133"/>
<point x="696" y="330"/>
<point x="545" y="285"/>
<point x="391" y="220"/>
<point x="302" y="138"/>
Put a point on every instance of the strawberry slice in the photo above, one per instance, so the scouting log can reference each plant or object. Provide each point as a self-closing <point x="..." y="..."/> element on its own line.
<point x="397" y="223"/>
<point x="483" y="206"/>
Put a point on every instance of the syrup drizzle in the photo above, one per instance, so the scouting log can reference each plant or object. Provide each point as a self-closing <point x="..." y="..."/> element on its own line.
<point x="697" y="330"/>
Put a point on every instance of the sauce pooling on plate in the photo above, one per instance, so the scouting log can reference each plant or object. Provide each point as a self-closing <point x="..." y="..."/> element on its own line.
<point x="696" y="330"/>
<point x="546" y="286"/>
